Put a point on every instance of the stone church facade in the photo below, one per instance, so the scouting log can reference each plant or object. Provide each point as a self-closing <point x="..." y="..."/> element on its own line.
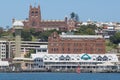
<point x="35" y="21"/>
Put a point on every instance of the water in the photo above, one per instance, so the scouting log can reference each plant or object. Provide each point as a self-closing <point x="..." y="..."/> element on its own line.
<point x="59" y="76"/>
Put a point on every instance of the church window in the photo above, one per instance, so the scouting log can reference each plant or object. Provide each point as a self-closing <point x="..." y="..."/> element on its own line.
<point x="36" y="13"/>
<point x="32" y="13"/>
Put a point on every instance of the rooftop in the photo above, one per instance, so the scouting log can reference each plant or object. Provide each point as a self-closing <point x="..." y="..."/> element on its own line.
<point x="18" y="23"/>
<point x="81" y="36"/>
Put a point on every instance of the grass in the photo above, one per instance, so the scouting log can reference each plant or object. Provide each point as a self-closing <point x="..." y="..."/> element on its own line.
<point x="110" y="46"/>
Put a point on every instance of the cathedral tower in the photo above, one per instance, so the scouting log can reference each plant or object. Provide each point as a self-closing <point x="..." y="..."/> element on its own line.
<point x="34" y="16"/>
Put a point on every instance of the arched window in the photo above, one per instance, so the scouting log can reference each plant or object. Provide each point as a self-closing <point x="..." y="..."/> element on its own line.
<point x="99" y="58"/>
<point x="68" y="58"/>
<point x="32" y="13"/>
<point x="36" y="13"/>
<point x="105" y="58"/>
<point x="62" y="58"/>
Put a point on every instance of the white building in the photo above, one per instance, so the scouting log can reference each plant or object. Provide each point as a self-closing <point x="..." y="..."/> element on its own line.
<point x="42" y="49"/>
<point x="4" y="65"/>
<point x="3" y="50"/>
<point x="62" y="62"/>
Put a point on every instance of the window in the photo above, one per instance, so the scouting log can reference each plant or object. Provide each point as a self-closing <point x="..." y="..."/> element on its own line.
<point x="78" y="59"/>
<point x="105" y="58"/>
<point x="44" y="50"/>
<point x="39" y="50"/>
<point x="62" y="49"/>
<point x="26" y="64"/>
<point x="68" y="49"/>
<point x="56" y="59"/>
<point x="52" y="49"/>
<point x="36" y="13"/>
<point x="72" y="58"/>
<point x="67" y="58"/>
<point x="62" y="57"/>
<point x="45" y="58"/>
<point x="55" y="49"/>
<point x="99" y="58"/>
<point x="32" y="13"/>
<point x="50" y="58"/>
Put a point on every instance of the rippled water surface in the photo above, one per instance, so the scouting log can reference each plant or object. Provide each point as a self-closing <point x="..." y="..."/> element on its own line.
<point x="59" y="76"/>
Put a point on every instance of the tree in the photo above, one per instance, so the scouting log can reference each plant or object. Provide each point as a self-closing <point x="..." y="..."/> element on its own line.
<point x="32" y="31"/>
<point x="90" y="31"/>
<point x="26" y="35"/>
<point x="77" y="17"/>
<point x="1" y="31"/>
<point x="27" y="55"/>
<point x="86" y="30"/>
<point x="115" y="38"/>
<point x="74" y="16"/>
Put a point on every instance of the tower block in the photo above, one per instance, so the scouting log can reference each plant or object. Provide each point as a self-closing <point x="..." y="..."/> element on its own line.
<point x="18" y="26"/>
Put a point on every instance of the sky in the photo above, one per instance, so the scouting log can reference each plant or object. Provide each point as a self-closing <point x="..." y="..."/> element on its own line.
<point x="96" y="10"/>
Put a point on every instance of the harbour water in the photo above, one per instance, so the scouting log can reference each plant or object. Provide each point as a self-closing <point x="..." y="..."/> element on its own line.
<point x="59" y="76"/>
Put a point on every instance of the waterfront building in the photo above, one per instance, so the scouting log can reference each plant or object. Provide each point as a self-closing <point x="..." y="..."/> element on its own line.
<point x="4" y="65"/>
<point x="75" y="44"/>
<point x="35" y="21"/>
<point x="69" y="62"/>
<point x="3" y="50"/>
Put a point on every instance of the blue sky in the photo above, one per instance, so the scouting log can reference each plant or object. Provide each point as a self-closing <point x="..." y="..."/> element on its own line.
<point x="97" y="10"/>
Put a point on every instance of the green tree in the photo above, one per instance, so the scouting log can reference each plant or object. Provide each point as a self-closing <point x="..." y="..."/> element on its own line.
<point x="26" y="35"/>
<point x="86" y="30"/>
<point x="115" y="38"/>
<point x="32" y="31"/>
<point x="27" y="55"/>
<point x="90" y="31"/>
<point x="1" y="31"/>
<point x="74" y="16"/>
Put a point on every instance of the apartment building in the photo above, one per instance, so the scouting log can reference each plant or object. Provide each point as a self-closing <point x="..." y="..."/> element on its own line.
<point x="3" y="50"/>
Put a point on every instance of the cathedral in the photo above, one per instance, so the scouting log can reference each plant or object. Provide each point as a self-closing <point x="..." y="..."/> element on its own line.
<point x="36" y="22"/>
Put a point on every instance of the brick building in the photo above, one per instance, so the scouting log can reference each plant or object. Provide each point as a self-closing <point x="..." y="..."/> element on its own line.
<point x="35" y="21"/>
<point x="76" y="44"/>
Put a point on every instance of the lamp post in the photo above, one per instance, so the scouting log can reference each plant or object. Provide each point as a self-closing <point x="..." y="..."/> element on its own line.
<point x="18" y="26"/>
